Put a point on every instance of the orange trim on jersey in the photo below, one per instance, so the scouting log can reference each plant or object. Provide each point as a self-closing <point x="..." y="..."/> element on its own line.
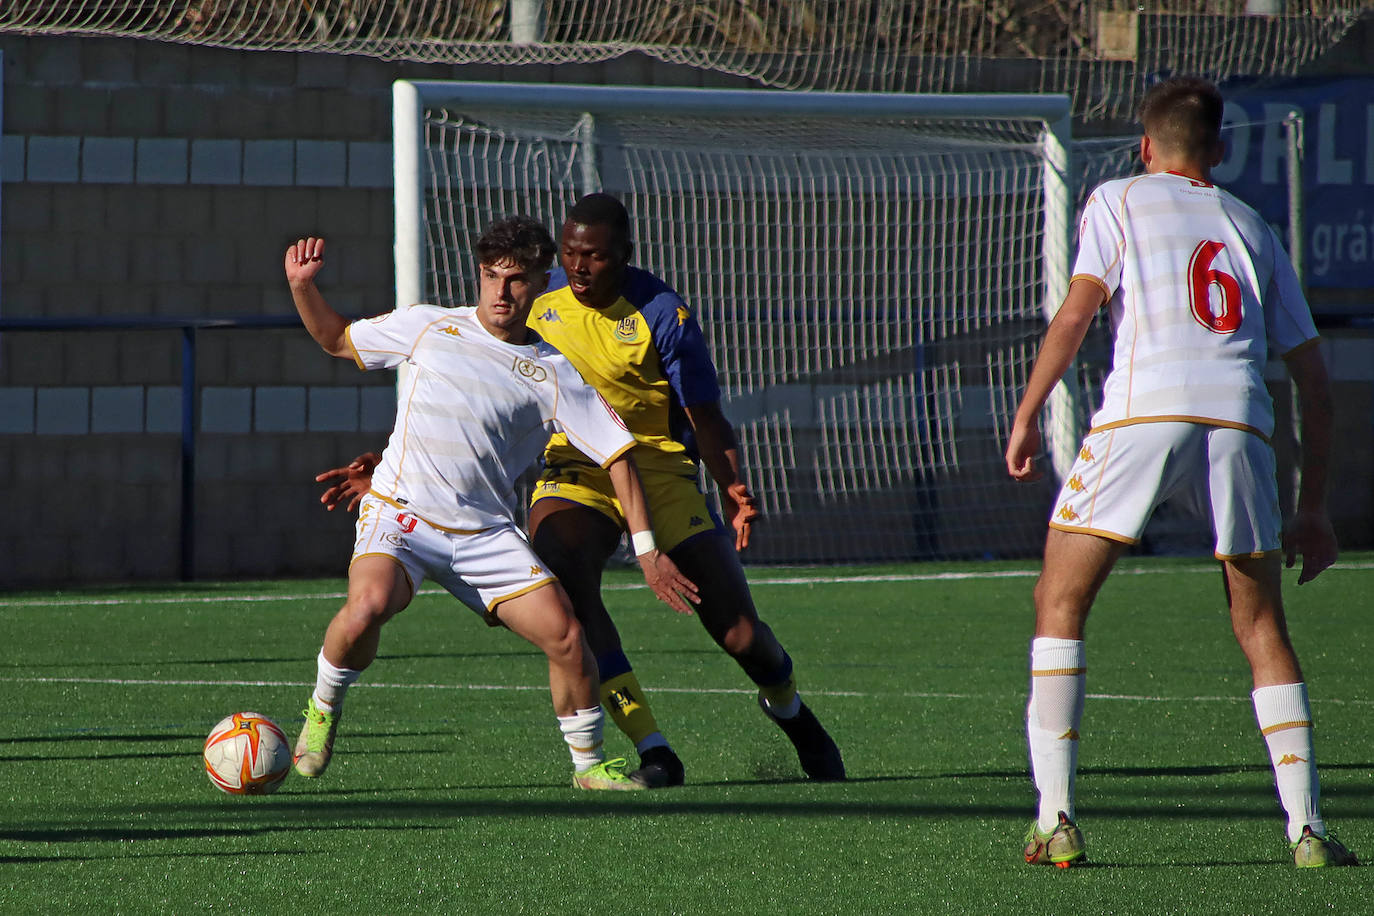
<point x="1095" y="532"/>
<point x="348" y="339"/>
<point x="612" y="460"/>
<point x="1106" y="293"/>
<point x="1306" y="344"/>
<point x="1283" y="726"/>
<point x="407" y="509"/>
<point x="1178" y="418"/>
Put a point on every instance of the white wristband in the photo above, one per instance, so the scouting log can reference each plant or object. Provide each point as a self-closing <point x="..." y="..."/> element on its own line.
<point x="643" y="542"/>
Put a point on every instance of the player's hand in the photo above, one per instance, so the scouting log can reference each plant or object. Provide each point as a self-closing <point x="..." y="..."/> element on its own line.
<point x="304" y="260"/>
<point x="741" y="511"/>
<point x="1022" y="448"/>
<point x="669" y="584"/>
<point x="351" y="482"/>
<point x="1311" y="535"/>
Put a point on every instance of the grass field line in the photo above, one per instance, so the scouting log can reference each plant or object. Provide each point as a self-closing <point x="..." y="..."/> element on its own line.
<point x="753" y="582"/>
<point x="381" y="685"/>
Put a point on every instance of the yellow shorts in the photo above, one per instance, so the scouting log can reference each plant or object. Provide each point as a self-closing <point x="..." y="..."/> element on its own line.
<point x="676" y="503"/>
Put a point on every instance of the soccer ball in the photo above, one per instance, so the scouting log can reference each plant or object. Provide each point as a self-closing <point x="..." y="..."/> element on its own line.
<point x="247" y="754"/>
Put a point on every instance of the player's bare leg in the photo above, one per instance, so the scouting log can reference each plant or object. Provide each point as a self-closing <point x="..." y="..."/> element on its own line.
<point x="1282" y="711"/>
<point x="727" y="612"/>
<point x="1075" y="566"/>
<point x="544" y="618"/>
<point x="378" y="589"/>
<point x="1255" y="595"/>
<point x="575" y="542"/>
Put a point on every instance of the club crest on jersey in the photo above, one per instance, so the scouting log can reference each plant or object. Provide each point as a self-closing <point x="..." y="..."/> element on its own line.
<point x="528" y="368"/>
<point x="628" y="329"/>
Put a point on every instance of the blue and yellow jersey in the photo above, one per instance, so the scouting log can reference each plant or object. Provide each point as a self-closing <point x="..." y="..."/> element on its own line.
<point x="647" y="357"/>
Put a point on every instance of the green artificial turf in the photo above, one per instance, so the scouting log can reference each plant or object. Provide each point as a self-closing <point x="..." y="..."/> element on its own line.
<point x="450" y="791"/>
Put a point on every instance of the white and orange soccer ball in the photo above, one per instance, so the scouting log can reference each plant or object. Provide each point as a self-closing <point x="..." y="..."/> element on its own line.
<point x="247" y="754"/>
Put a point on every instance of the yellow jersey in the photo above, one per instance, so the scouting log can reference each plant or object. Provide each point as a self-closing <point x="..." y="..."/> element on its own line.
<point x="645" y="354"/>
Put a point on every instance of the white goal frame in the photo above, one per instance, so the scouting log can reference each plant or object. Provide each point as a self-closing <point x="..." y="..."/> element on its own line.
<point x="1048" y="116"/>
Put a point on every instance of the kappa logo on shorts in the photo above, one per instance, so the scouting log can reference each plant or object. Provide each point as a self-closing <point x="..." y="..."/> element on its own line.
<point x="1076" y="484"/>
<point x="628" y="329"/>
<point x="1067" y="514"/>
<point x="535" y="571"/>
<point x="528" y="368"/>
<point x="1086" y="454"/>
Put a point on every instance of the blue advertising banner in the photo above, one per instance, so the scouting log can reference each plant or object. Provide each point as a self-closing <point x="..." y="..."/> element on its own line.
<point x="1338" y="169"/>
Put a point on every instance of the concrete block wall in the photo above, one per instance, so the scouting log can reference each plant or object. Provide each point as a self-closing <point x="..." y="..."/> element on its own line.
<point x="156" y="179"/>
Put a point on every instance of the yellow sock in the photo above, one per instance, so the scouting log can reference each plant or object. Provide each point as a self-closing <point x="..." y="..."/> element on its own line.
<point x="781" y="698"/>
<point x="624" y="700"/>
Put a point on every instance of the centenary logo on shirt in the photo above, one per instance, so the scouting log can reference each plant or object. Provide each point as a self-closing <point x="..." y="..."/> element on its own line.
<point x="628" y="329"/>
<point x="528" y="368"/>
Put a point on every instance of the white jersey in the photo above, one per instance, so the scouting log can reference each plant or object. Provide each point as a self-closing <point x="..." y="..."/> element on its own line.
<point x="474" y="413"/>
<point x="1201" y="291"/>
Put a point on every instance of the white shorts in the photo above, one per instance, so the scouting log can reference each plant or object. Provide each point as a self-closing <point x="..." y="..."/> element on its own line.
<point x="480" y="569"/>
<point x="1225" y="476"/>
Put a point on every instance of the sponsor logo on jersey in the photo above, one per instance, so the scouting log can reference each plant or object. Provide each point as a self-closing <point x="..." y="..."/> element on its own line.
<point x="407" y="522"/>
<point x="1076" y="484"/>
<point x="549" y="315"/>
<point x="528" y="368"/>
<point x="1288" y="759"/>
<point x="1067" y="514"/>
<point x="1086" y="454"/>
<point x="628" y="329"/>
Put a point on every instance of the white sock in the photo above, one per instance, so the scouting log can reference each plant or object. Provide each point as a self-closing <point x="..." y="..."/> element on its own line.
<point x="1285" y="721"/>
<point x="582" y="731"/>
<point x="1055" y="710"/>
<point x="331" y="683"/>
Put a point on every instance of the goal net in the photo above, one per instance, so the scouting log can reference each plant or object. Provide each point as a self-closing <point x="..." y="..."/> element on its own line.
<point x="871" y="274"/>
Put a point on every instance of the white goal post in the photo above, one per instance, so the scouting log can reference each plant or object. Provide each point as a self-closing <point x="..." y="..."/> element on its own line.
<point x="872" y="272"/>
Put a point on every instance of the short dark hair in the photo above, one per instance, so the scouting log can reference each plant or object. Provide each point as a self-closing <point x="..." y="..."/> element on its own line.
<point x="522" y="240"/>
<point x="601" y="210"/>
<point x="1183" y="115"/>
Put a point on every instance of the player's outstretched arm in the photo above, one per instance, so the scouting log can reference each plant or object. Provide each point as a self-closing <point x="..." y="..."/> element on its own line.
<point x="720" y="453"/>
<point x="351" y="482"/>
<point x="303" y="263"/>
<point x="667" y="581"/>
<point x="1062" y="340"/>
<point x="1310" y="534"/>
